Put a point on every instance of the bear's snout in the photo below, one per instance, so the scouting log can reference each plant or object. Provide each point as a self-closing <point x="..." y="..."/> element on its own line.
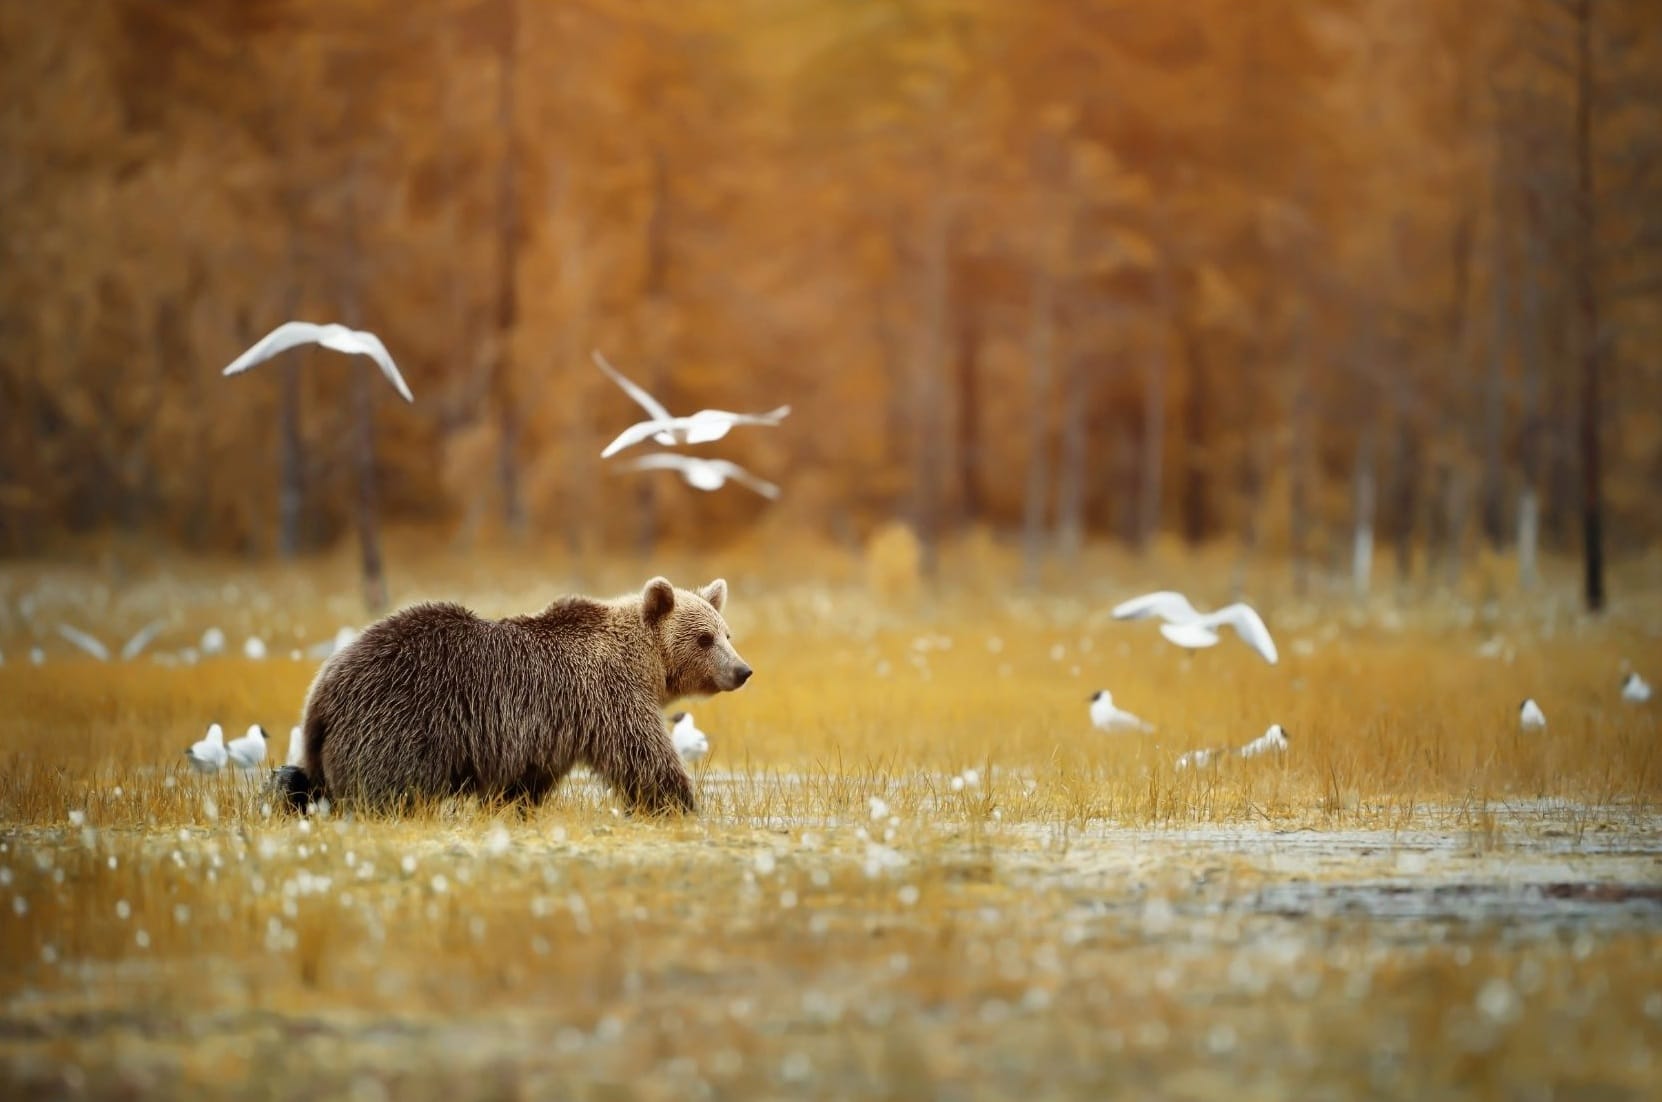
<point x="741" y="675"/>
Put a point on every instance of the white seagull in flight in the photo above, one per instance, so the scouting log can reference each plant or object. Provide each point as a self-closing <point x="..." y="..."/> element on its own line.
<point x="703" y="474"/>
<point x="356" y="342"/>
<point x="1188" y="628"/>
<point x="699" y="428"/>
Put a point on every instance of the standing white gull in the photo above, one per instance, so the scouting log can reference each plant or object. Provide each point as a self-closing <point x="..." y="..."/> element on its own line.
<point x="1635" y="689"/>
<point x="1272" y="740"/>
<point x="207" y="754"/>
<point x="699" y="428"/>
<point x="339" y="338"/>
<point x="1106" y="717"/>
<point x="247" y="752"/>
<point x="703" y="474"/>
<point x="1190" y="628"/>
<point x="1530" y="716"/>
<point x="689" y="741"/>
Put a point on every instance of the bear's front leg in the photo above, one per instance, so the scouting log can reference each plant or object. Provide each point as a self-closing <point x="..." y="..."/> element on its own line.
<point x="640" y="763"/>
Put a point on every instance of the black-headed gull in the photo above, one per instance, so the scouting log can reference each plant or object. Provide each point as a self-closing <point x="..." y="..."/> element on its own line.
<point x="85" y="642"/>
<point x="141" y="639"/>
<point x="208" y="754"/>
<point x="699" y="428"/>
<point x="1106" y="717"/>
<point x="338" y="338"/>
<point x="1190" y="628"/>
<point x="689" y="741"/>
<point x="248" y="752"/>
<point x="1530" y="716"/>
<point x="1635" y="689"/>
<point x="703" y="474"/>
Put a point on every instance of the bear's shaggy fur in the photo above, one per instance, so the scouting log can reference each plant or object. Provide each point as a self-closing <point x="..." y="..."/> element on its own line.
<point x="434" y="701"/>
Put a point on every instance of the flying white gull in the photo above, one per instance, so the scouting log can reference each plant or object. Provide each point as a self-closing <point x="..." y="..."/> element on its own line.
<point x="703" y="474"/>
<point x="690" y="742"/>
<point x="1635" y="689"/>
<point x="1106" y="717"/>
<point x="86" y="642"/>
<point x="141" y="639"/>
<point x="699" y="428"/>
<point x="247" y="752"/>
<point x="207" y="755"/>
<point x="291" y="334"/>
<point x="1530" y="716"/>
<point x="1189" y="628"/>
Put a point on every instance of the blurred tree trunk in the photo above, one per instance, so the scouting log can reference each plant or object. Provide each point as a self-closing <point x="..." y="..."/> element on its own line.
<point x="1154" y="405"/>
<point x="928" y="405"/>
<point x="1494" y="405"/>
<point x="508" y="418"/>
<point x="655" y="295"/>
<point x="1196" y="442"/>
<point x="1405" y="475"/>
<point x="1041" y="340"/>
<point x="1529" y="337"/>
<point x="360" y="387"/>
<point x="1302" y="430"/>
<point x="1070" y="479"/>
<point x="970" y="494"/>
<point x="291" y="458"/>
<point x="1365" y="491"/>
<point x="1586" y="295"/>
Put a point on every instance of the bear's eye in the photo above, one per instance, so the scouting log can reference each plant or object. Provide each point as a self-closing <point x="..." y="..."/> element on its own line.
<point x="705" y="639"/>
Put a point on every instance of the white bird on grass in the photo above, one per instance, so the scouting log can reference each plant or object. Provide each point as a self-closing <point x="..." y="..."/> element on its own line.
<point x="208" y="754"/>
<point x="297" y="746"/>
<point x="699" y="428"/>
<point x="1190" y="628"/>
<point x="339" y="338"/>
<point x="247" y="752"/>
<point x="689" y="741"/>
<point x="1530" y="716"/>
<point x="1273" y="740"/>
<point x="86" y="642"/>
<point x="704" y="474"/>
<point x="1106" y="717"/>
<point x="1635" y="689"/>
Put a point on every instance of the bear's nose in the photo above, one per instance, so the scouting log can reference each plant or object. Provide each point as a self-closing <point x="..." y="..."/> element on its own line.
<point x="742" y="674"/>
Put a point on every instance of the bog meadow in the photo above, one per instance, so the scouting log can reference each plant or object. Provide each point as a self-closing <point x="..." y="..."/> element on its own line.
<point x="973" y="325"/>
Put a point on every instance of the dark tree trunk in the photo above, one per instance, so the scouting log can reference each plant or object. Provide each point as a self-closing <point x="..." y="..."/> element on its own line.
<point x="1070" y="480"/>
<point x="1040" y="366"/>
<point x="1494" y="408"/>
<point x="971" y="498"/>
<point x="1154" y="409"/>
<point x="1406" y="474"/>
<point x="1529" y="336"/>
<point x="291" y="459"/>
<point x="928" y="401"/>
<point x="369" y="519"/>
<point x="508" y="418"/>
<point x="1361" y="554"/>
<point x="1299" y="477"/>
<point x="1592" y="488"/>
<point x="1196" y="451"/>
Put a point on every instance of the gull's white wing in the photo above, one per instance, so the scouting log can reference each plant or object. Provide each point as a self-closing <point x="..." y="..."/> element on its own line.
<point x="658" y="461"/>
<point x="280" y="339"/>
<point x="368" y="344"/>
<point x="1250" y="626"/>
<point x="740" y="475"/>
<point x="656" y="411"/>
<point x="141" y="639"/>
<point x="635" y="433"/>
<point x="1165" y="604"/>
<point x="1190" y="636"/>
<point x="86" y="642"/>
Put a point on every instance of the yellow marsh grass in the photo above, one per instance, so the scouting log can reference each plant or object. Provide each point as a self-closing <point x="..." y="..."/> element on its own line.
<point x="160" y="933"/>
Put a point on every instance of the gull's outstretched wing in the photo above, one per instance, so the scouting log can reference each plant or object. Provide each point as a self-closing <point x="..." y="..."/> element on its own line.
<point x="740" y="475"/>
<point x="654" y="410"/>
<point x="1250" y="626"/>
<point x="657" y="461"/>
<point x="1192" y="636"/>
<point x="141" y="639"/>
<point x="368" y="344"/>
<point x="635" y="433"/>
<point x="281" y="339"/>
<point x="1165" y="604"/>
<point x="86" y="642"/>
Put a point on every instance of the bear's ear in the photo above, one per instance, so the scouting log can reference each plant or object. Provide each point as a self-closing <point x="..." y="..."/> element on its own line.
<point x="657" y="600"/>
<point x="715" y="593"/>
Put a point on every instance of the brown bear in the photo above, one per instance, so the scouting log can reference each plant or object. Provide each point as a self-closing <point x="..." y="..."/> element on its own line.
<point x="434" y="701"/>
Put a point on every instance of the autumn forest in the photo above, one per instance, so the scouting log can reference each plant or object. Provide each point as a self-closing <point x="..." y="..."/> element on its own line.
<point x="1310" y="276"/>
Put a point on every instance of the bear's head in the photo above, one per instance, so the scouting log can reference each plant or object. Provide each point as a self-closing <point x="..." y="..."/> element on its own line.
<point x="692" y="639"/>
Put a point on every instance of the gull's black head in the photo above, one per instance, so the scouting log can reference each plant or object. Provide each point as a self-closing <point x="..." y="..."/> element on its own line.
<point x="1096" y="696"/>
